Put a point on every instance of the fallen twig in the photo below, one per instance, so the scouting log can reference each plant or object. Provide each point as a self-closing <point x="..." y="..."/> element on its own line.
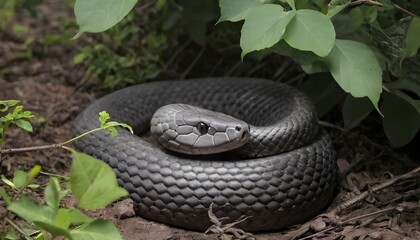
<point x="379" y="187"/>
<point x="333" y="214"/>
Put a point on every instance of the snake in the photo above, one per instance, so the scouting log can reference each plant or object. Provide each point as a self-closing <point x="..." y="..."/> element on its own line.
<point x="262" y="162"/>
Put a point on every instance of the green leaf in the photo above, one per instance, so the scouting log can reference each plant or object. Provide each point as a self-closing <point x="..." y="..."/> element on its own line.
<point x="93" y="182"/>
<point x="78" y="58"/>
<point x="52" y="193"/>
<point x="315" y="67"/>
<point x="301" y="57"/>
<point x="8" y="182"/>
<point x="30" y="211"/>
<point x="10" y="235"/>
<point x="236" y="10"/>
<point x="412" y="39"/>
<point x="100" y="15"/>
<point x="103" y="117"/>
<point x="25" y="125"/>
<point x="264" y="26"/>
<point x="311" y="31"/>
<point x="335" y="7"/>
<point x="410" y="83"/>
<point x="356" y="69"/>
<point x="414" y="103"/>
<point x="66" y="217"/>
<point x="98" y="229"/>
<point x="19" y="179"/>
<point x="53" y="229"/>
<point x="401" y="122"/>
<point x="355" y="110"/>
<point x="5" y="196"/>
<point x="4" y="105"/>
<point x="34" y="172"/>
<point x="291" y="4"/>
<point x="110" y="128"/>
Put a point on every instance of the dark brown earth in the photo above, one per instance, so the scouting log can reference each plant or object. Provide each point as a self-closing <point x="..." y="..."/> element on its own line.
<point x="374" y="177"/>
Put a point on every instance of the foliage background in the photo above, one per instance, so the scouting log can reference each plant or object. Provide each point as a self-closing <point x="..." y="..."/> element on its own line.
<point x="178" y="39"/>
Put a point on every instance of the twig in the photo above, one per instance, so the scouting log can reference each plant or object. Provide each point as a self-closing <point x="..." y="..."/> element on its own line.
<point x="399" y="208"/>
<point x="18" y="229"/>
<point x="360" y="2"/>
<point x="330" y="125"/>
<point x="333" y="213"/>
<point x="29" y="149"/>
<point x="404" y="10"/>
<point x="379" y="187"/>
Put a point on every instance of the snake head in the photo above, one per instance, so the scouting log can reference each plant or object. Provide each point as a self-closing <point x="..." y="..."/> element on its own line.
<point x="194" y="130"/>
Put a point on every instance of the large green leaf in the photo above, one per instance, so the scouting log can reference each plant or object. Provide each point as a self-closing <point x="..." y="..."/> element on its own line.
<point x="100" y="15"/>
<point x="310" y="30"/>
<point x="335" y="6"/>
<point x="356" y="69"/>
<point x="236" y="10"/>
<point x="401" y="121"/>
<point x="66" y="217"/>
<point x="301" y="57"/>
<point x="412" y="38"/>
<point x="414" y="103"/>
<point x="98" y="229"/>
<point x="409" y="83"/>
<point x="30" y="211"/>
<point x="54" y="229"/>
<point x="264" y="26"/>
<point x="93" y="182"/>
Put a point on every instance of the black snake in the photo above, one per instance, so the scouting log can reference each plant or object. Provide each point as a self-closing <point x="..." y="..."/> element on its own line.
<point x="284" y="174"/>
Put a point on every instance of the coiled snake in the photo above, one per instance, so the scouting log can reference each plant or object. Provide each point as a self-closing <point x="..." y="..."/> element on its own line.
<point x="284" y="172"/>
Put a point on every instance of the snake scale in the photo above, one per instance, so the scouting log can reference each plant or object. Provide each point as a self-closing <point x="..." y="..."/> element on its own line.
<point x="284" y="176"/>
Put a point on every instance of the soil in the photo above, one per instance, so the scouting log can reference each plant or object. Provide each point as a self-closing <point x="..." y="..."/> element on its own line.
<point x="48" y="84"/>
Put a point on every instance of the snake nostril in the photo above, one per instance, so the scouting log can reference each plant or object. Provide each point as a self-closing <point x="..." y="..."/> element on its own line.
<point x="238" y="128"/>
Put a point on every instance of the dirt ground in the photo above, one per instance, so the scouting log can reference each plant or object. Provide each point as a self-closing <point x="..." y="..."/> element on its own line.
<point x="378" y="196"/>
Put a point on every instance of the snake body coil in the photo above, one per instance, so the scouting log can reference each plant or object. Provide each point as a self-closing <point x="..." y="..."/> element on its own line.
<point x="290" y="180"/>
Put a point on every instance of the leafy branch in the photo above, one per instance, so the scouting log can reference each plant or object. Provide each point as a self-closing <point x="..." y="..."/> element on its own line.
<point x="91" y="181"/>
<point x="103" y="118"/>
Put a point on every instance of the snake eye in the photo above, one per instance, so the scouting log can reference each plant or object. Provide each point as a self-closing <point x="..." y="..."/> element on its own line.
<point x="202" y="128"/>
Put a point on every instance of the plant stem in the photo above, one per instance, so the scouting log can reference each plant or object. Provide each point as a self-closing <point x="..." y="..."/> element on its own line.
<point x="404" y="10"/>
<point x="18" y="229"/>
<point x="57" y="145"/>
<point x="29" y="149"/>
<point x="360" y="2"/>
<point x="80" y="136"/>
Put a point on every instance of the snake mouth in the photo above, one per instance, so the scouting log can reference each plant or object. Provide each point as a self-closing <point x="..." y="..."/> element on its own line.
<point x="244" y="136"/>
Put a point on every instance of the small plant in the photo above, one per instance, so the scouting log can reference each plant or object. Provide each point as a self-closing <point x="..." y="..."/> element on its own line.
<point x="91" y="181"/>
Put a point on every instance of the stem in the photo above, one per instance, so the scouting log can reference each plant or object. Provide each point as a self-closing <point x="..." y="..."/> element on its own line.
<point x="404" y="10"/>
<point x="360" y="2"/>
<point x="56" y="145"/>
<point x="29" y="149"/>
<point x="80" y="136"/>
<point x="18" y="229"/>
<point x="365" y="194"/>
